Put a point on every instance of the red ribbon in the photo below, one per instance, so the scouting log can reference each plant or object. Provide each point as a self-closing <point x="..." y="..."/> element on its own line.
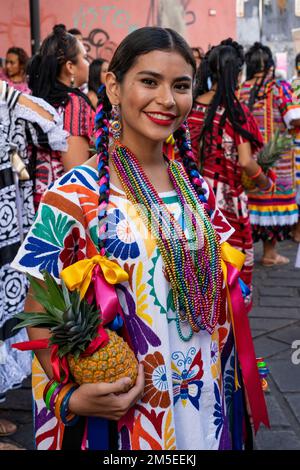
<point x="245" y="350"/>
<point x="58" y="364"/>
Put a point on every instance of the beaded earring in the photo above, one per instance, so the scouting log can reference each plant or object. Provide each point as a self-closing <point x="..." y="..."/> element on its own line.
<point x="116" y="126"/>
<point x="72" y="81"/>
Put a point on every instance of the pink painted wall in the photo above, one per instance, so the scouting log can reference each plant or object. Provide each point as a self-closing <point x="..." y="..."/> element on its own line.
<point x="104" y="23"/>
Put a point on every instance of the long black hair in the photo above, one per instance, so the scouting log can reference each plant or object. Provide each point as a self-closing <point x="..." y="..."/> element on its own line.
<point x="45" y="67"/>
<point x="94" y="74"/>
<point x="259" y="59"/>
<point x="221" y="66"/>
<point x="137" y="43"/>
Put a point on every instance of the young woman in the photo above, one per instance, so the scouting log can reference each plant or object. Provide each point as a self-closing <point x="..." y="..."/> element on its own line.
<point x="23" y="120"/>
<point x="156" y="220"/>
<point x="97" y="73"/>
<point x="224" y="135"/>
<point x="15" y="69"/>
<point x="55" y="74"/>
<point x="274" y="107"/>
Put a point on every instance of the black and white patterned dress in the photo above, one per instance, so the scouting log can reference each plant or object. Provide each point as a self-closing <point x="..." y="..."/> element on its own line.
<point x="21" y="128"/>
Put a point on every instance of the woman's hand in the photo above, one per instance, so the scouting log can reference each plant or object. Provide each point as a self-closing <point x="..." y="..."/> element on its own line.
<point x="104" y="400"/>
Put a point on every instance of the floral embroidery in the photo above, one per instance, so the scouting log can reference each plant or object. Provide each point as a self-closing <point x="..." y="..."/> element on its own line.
<point x="141" y="335"/>
<point x="218" y="413"/>
<point x="217" y="343"/>
<point x="120" y="241"/>
<point x="52" y="227"/>
<point x="73" y="248"/>
<point x="41" y="254"/>
<point x="156" y="384"/>
<point x="215" y="364"/>
<point x="186" y="382"/>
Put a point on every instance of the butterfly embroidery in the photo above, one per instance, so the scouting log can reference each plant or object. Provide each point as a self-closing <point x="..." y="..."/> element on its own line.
<point x="186" y="374"/>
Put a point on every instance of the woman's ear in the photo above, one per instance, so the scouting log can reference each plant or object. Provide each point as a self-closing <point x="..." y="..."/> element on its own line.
<point x="69" y="68"/>
<point x="112" y="88"/>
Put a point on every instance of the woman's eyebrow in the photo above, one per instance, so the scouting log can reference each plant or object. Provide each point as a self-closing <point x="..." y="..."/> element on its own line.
<point x="160" y="76"/>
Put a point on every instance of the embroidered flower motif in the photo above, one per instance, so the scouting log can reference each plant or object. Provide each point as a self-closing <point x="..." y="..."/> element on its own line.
<point x="120" y="241"/>
<point x="215" y="349"/>
<point x="73" y="248"/>
<point x="187" y="370"/>
<point x="218" y="413"/>
<point x="156" y="384"/>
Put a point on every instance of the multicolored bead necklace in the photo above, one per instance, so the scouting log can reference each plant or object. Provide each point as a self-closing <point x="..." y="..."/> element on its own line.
<point x="196" y="279"/>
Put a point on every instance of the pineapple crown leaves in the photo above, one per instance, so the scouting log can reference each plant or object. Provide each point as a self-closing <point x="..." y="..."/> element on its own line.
<point x="272" y="151"/>
<point x="73" y="321"/>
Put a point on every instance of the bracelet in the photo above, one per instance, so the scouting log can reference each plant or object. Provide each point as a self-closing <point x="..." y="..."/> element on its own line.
<point x="60" y="398"/>
<point x="68" y="419"/>
<point x="49" y="393"/>
<point x="257" y="174"/>
<point x="54" y="397"/>
<point x="47" y="388"/>
<point x="270" y="188"/>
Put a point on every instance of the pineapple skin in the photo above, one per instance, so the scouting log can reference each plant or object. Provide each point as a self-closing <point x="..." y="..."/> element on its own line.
<point x="115" y="361"/>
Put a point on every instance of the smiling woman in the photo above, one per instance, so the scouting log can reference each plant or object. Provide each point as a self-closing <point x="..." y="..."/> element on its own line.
<point x="158" y="221"/>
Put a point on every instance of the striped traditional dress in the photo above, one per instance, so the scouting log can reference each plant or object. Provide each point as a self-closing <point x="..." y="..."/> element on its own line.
<point x="296" y="135"/>
<point x="273" y="215"/>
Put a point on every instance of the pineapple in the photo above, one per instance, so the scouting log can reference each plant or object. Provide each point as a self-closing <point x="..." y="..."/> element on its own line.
<point x="74" y="324"/>
<point x="268" y="155"/>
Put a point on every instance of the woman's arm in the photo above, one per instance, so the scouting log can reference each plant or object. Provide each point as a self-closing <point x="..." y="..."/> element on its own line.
<point x="250" y="166"/>
<point x="77" y="153"/>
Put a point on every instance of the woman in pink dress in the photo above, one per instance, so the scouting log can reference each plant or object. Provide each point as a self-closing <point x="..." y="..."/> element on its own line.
<point x="14" y="72"/>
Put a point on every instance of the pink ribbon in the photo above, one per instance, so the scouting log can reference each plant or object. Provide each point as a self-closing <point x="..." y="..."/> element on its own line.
<point x="106" y="297"/>
<point x="245" y="350"/>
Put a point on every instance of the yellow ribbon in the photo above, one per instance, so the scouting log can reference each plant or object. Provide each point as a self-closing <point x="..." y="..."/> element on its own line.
<point x="79" y="275"/>
<point x="235" y="258"/>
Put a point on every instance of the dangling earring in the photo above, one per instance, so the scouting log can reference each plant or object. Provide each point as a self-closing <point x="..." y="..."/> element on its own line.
<point x="187" y="135"/>
<point x="72" y="81"/>
<point x="116" y="126"/>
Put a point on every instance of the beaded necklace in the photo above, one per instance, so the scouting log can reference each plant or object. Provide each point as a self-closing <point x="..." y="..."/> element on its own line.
<point x="196" y="279"/>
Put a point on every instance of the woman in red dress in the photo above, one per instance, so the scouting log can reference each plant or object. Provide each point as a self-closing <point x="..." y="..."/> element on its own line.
<point x="224" y="136"/>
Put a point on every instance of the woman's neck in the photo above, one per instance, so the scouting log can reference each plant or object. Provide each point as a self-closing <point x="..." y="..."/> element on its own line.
<point x="148" y="153"/>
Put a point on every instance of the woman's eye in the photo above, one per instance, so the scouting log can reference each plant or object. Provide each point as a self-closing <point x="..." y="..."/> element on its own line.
<point x="182" y="86"/>
<point x="149" y="81"/>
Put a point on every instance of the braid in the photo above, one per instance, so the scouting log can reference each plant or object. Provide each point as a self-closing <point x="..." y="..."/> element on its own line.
<point x="102" y="144"/>
<point x="183" y="143"/>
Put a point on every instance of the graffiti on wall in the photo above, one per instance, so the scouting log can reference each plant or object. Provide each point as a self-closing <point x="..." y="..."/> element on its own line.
<point x="98" y="20"/>
<point x="98" y="44"/>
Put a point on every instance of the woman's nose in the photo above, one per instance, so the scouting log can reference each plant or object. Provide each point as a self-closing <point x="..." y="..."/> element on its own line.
<point x="165" y="97"/>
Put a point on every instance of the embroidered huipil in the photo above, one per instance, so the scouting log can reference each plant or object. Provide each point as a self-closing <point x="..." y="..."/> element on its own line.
<point x="189" y="388"/>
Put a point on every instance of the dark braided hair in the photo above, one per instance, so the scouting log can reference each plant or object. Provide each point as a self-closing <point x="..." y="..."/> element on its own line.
<point x="222" y="65"/>
<point x="45" y="67"/>
<point x="137" y="43"/>
<point x="258" y="59"/>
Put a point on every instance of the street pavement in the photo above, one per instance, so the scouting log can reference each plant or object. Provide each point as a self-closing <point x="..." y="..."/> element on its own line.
<point x="275" y="323"/>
